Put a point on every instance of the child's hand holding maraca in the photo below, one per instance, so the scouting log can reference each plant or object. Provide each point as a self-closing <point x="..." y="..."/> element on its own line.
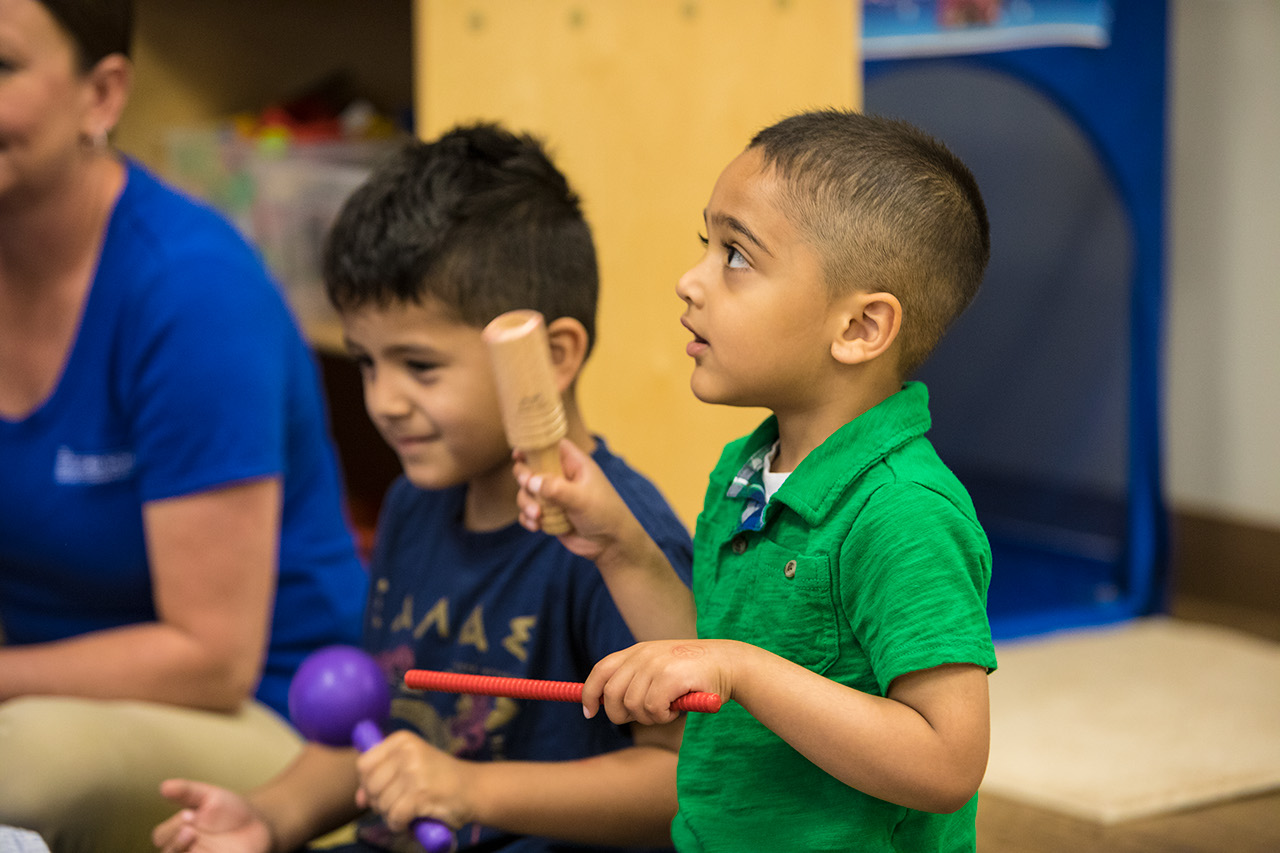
<point x="404" y="777"/>
<point x="338" y="697"/>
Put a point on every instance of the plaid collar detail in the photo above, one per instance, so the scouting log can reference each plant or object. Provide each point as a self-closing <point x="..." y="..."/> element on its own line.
<point x="748" y="485"/>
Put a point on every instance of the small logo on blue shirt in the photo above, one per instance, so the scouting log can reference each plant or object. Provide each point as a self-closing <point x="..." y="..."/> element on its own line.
<point x="92" y="469"/>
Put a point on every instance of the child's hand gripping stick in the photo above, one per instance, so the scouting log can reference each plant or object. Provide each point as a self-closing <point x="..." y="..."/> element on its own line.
<point x="336" y="698"/>
<point x="532" y="412"/>
<point x="529" y="688"/>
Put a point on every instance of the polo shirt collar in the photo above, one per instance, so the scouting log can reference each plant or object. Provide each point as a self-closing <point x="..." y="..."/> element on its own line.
<point x="822" y="477"/>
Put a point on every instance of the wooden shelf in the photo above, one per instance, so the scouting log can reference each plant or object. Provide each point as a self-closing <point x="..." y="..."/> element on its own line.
<point x="198" y="62"/>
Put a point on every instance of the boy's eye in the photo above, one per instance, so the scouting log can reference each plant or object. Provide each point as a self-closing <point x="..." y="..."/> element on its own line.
<point x="733" y="258"/>
<point x="421" y="367"/>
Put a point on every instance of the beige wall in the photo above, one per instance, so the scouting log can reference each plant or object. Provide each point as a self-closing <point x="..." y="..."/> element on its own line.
<point x="1223" y="356"/>
<point x="643" y="103"/>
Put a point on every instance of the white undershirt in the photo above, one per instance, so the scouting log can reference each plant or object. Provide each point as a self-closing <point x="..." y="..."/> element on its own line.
<point x="772" y="481"/>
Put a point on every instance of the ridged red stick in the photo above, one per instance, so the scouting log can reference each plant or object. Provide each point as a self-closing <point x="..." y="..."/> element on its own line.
<point x="530" y="688"/>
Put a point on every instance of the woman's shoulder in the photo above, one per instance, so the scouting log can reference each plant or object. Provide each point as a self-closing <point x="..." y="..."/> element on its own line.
<point x="156" y="218"/>
<point x="169" y="256"/>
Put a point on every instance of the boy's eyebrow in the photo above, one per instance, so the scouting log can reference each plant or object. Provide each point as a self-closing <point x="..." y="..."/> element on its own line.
<point x="734" y="224"/>
<point x="396" y="350"/>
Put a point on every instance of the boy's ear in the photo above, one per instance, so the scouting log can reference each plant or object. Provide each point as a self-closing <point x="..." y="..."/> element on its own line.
<point x="569" y="341"/>
<point x="869" y="324"/>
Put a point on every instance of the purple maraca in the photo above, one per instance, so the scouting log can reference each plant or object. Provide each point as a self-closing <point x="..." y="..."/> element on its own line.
<point x="337" y="697"/>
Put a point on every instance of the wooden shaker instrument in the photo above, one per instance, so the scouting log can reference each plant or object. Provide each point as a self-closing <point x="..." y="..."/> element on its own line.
<point x="532" y="411"/>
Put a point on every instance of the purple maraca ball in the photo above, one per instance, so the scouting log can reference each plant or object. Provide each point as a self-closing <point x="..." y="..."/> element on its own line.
<point x="335" y="688"/>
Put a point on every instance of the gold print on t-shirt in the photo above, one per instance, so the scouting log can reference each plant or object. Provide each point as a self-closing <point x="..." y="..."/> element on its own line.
<point x="472" y="632"/>
<point x="404" y="621"/>
<point x="515" y="642"/>
<point x="378" y="593"/>
<point x="438" y="615"/>
<point x="474" y="727"/>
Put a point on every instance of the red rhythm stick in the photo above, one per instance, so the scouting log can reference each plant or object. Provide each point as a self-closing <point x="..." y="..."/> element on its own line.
<point x="529" y="688"/>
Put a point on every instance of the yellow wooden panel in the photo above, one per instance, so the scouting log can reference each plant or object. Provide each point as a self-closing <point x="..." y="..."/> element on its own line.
<point x="642" y="102"/>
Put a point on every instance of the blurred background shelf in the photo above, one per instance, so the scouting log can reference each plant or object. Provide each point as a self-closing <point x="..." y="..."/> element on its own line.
<point x="200" y="62"/>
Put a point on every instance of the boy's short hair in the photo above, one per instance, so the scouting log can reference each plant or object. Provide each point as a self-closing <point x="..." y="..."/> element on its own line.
<point x="480" y="221"/>
<point x="97" y="27"/>
<point x="889" y="209"/>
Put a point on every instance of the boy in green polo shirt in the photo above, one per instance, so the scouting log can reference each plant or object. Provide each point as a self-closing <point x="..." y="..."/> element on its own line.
<point x="840" y="574"/>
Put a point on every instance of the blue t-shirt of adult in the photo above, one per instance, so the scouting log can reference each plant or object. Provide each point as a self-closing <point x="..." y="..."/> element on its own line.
<point x="187" y="373"/>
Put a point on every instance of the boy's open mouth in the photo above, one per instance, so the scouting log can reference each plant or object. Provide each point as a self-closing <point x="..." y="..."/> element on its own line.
<point x="697" y="338"/>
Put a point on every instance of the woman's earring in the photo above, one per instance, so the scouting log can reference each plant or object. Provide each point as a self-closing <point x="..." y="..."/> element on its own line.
<point x="96" y="141"/>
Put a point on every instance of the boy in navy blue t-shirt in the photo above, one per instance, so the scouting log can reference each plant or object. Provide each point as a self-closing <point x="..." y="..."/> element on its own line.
<point x="439" y="241"/>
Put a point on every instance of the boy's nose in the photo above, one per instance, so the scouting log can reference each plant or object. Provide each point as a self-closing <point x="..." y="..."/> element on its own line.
<point x="687" y="287"/>
<point x="382" y="399"/>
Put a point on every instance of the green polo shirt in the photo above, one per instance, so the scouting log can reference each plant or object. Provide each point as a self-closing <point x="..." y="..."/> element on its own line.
<point x="869" y="563"/>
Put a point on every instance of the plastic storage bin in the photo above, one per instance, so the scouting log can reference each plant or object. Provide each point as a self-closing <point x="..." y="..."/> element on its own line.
<point x="283" y="197"/>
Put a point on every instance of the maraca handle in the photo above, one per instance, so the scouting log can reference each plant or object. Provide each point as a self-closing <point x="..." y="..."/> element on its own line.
<point x="434" y="836"/>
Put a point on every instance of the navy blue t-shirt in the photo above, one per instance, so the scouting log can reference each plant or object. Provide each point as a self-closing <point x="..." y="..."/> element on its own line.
<point x="187" y="373"/>
<point x="507" y="603"/>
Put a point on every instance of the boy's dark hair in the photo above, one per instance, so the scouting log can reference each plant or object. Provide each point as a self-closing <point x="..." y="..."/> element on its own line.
<point x="97" y="27"/>
<point x="480" y="221"/>
<point x="889" y="209"/>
